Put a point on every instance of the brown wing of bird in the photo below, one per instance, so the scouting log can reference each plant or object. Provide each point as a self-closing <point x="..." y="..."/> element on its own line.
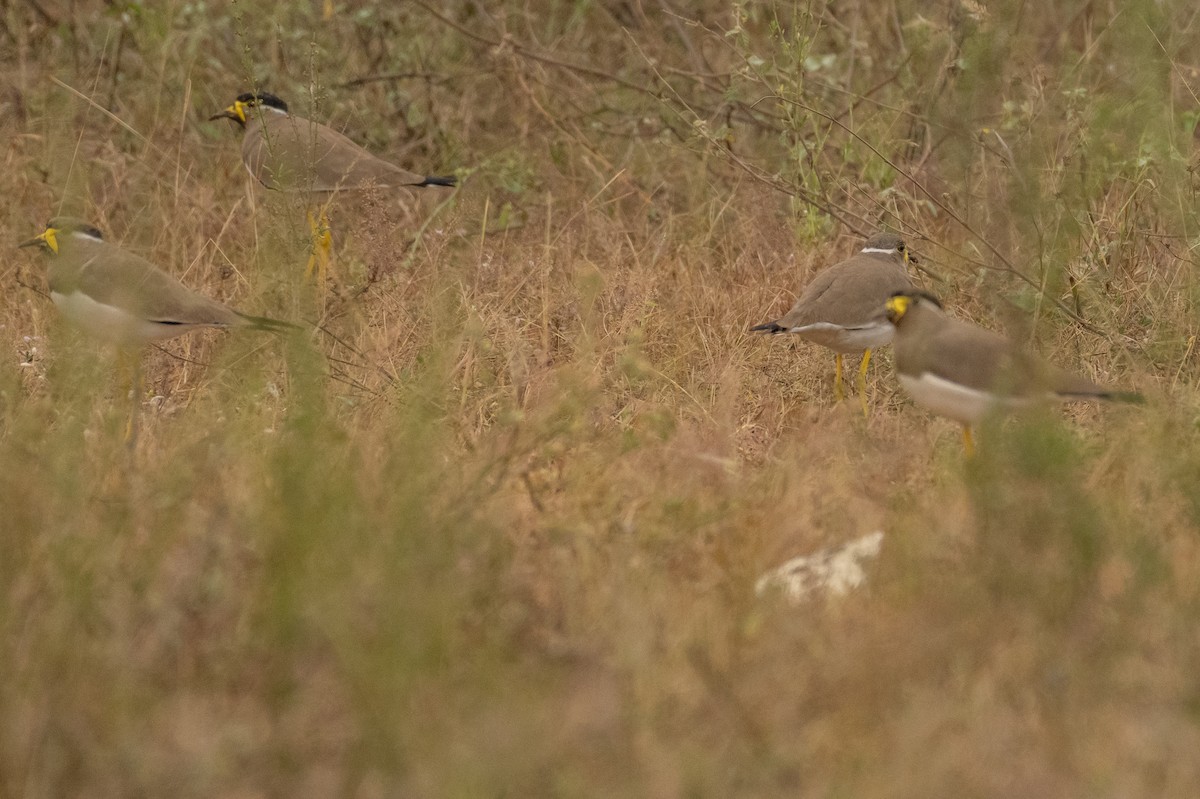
<point x="850" y="293"/>
<point x="127" y="281"/>
<point x="972" y="356"/>
<point x="291" y="153"/>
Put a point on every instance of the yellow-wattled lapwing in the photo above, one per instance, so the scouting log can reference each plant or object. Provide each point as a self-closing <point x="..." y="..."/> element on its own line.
<point x="961" y="371"/>
<point x="843" y="307"/>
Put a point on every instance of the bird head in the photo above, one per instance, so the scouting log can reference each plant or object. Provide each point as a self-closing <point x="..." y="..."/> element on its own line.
<point x="902" y="303"/>
<point x="59" y="228"/>
<point x="247" y="101"/>
<point x="889" y="244"/>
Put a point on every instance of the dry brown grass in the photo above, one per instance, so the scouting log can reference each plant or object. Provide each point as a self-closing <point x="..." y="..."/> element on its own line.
<point x="500" y="536"/>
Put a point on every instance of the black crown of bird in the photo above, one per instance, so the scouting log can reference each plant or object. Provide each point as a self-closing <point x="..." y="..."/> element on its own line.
<point x="237" y="111"/>
<point x="62" y="224"/>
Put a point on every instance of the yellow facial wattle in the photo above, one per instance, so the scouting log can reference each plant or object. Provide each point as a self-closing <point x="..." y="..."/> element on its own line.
<point x="238" y="109"/>
<point x="51" y="239"/>
<point x="897" y="306"/>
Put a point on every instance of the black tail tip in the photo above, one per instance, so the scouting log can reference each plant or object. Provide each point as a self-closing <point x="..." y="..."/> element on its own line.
<point x="269" y="325"/>
<point x="440" y="180"/>
<point x="1131" y="397"/>
<point x="769" y="327"/>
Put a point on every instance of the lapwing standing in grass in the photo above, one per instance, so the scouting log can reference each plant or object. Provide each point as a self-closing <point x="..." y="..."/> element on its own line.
<point x="843" y="307"/>
<point x="122" y="298"/>
<point x="961" y="371"/>
<point x="289" y="153"/>
<point x="118" y="297"/>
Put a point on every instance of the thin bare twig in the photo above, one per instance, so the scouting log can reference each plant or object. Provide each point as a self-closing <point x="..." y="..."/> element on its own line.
<point x="507" y="43"/>
<point x="432" y="77"/>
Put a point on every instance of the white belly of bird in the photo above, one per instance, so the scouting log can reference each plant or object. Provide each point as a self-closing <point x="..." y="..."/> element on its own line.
<point x="952" y="400"/>
<point x="111" y="323"/>
<point x="847" y="339"/>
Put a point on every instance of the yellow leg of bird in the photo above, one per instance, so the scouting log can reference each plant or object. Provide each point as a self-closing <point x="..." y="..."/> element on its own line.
<point x="321" y="250"/>
<point x="968" y="442"/>
<point x="838" y="391"/>
<point x="129" y="365"/>
<point x="862" y="383"/>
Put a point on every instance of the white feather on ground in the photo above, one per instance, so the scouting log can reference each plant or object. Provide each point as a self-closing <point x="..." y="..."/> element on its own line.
<point x="832" y="571"/>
